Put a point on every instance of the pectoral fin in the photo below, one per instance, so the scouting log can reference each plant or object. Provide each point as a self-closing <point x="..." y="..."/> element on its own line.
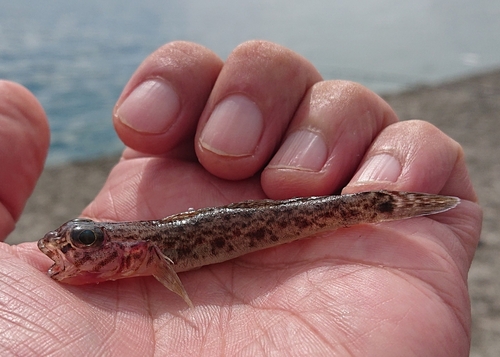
<point x="166" y="275"/>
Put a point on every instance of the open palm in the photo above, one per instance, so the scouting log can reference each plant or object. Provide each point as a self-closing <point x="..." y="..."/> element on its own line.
<point x="396" y="288"/>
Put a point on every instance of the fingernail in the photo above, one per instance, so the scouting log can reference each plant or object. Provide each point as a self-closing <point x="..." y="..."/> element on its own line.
<point x="381" y="167"/>
<point x="151" y="108"/>
<point x="234" y="128"/>
<point x="303" y="150"/>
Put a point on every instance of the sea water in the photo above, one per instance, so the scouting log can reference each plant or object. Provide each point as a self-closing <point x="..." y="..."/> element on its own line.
<point x="77" y="56"/>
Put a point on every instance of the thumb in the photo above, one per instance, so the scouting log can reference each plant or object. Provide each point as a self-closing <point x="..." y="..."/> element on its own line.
<point x="24" y="142"/>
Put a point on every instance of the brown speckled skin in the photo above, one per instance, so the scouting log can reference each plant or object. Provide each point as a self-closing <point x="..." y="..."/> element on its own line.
<point x="212" y="235"/>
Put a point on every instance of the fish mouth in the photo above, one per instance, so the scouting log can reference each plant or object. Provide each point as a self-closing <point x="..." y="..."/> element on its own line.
<point x="43" y="248"/>
<point x="46" y="247"/>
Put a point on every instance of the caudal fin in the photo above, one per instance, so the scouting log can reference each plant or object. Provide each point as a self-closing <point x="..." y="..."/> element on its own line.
<point x="413" y="204"/>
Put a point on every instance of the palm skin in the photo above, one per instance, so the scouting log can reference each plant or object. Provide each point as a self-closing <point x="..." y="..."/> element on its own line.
<point x="396" y="288"/>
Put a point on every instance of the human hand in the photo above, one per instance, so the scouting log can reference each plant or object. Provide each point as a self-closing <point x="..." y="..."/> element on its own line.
<point x="396" y="288"/>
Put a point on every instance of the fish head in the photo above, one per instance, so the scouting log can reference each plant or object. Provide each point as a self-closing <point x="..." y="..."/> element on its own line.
<point x="87" y="252"/>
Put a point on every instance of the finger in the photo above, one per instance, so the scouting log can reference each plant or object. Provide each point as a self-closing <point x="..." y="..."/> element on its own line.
<point x="161" y="104"/>
<point x="24" y="142"/>
<point x="414" y="156"/>
<point x="254" y="98"/>
<point x="333" y="127"/>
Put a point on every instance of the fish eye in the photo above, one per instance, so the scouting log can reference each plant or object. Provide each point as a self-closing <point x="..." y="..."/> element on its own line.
<point x="87" y="237"/>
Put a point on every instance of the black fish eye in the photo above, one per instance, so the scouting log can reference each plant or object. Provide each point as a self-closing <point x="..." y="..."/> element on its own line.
<point x="87" y="237"/>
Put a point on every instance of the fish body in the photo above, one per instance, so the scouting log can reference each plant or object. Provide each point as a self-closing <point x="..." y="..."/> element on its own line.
<point x="85" y="251"/>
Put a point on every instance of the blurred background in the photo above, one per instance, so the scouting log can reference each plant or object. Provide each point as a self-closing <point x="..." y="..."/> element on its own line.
<point x="435" y="60"/>
<point x="77" y="56"/>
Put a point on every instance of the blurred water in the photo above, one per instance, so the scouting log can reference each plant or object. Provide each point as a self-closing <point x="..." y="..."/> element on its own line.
<point x="77" y="56"/>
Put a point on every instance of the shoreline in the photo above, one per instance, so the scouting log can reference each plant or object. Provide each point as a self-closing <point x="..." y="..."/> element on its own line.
<point x="467" y="109"/>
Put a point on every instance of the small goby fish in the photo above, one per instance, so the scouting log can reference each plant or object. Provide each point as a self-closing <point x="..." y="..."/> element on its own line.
<point x="86" y="252"/>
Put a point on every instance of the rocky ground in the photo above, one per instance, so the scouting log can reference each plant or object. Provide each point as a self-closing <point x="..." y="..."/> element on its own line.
<point x="468" y="110"/>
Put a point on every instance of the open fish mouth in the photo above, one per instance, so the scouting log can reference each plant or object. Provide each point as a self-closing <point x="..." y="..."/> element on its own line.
<point x="48" y="248"/>
<point x="59" y="270"/>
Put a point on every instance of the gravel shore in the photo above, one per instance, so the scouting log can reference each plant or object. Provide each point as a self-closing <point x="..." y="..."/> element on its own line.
<point x="467" y="109"/>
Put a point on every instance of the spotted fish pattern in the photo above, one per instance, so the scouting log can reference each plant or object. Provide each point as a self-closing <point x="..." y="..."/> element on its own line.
<point x="85" y="251"/>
